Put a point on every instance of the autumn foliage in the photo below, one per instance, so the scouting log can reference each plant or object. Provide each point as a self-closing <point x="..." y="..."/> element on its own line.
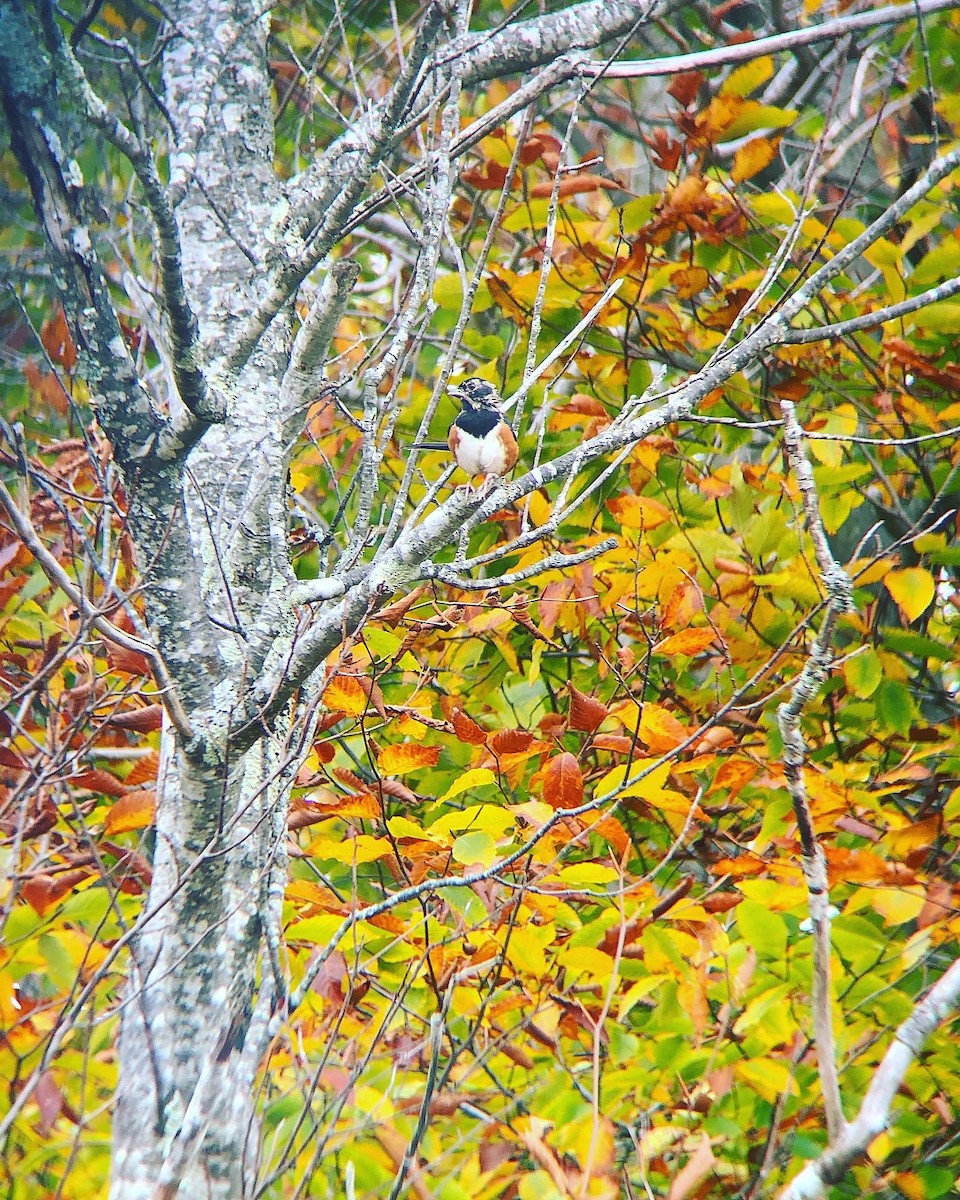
<point x="556" y="814"/>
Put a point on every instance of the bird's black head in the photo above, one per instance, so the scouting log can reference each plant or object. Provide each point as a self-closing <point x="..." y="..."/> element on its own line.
<point x="476" y="393"/>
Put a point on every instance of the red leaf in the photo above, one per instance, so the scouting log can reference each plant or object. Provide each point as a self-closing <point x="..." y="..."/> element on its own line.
<point x="466" y="729"/>
<point x="490" y="179"/>
<point x="684" y="88"/>
<point x="586" y="714"/>
<point x="95" y="780"/>
<point x="43" y="891"/>
<point x="563" y="782"/>
<point x="510" y="741"/>
<point x="58" y="343"/>
<point x="143" y="720"/>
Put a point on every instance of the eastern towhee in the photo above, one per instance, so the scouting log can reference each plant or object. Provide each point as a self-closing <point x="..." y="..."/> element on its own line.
<point x="481" y="441"/>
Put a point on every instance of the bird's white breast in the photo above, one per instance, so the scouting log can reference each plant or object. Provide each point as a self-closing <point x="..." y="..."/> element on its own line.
<point x="481" y="456"/>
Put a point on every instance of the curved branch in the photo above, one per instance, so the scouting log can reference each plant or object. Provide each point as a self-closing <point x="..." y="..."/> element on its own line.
<point x="529" y="44"/>
<point x="701" y="60"/>
<point x="874" y="1115"/>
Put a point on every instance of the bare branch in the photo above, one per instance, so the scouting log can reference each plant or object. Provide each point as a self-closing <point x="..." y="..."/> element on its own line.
<point x="701" y="60"/>
<point x="892" y="312"/>
<point x="794" y="757"/>
<point x="874" y="1115"/>
<point x="528" y="44"/>
<point x="553" y="562"/>
<point x="304" y="376"/>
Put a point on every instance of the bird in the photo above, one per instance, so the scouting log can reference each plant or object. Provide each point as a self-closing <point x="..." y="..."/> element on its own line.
<point x="480" y="440"/>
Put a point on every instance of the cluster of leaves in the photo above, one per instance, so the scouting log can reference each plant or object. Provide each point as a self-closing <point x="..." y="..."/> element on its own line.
<point x="590" y="765"/>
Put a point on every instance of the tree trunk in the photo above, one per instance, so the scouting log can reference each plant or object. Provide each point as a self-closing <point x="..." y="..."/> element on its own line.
<point x="185" y="1117"/>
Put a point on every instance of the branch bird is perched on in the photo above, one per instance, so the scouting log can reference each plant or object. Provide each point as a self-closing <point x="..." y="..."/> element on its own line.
<point x="480" y="440"/>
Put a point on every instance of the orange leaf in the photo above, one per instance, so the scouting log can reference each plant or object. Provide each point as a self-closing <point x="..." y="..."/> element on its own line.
<point x="615" y="742"/>
<point x="563" y="782"/>
<point x="732" y="776"/>
<point x="58" y="343"/>
<point x="660" y="729"/>
<point x="739" y="868"/>
<point x="638" y="512"/>
<point x="698" y="1166"/>
<point x="408" y="756"/>
<point x="863" y="866"/>
<point x="570" y="185"/>
<point x="344" y="694"/>
<point x="48" y="387"/>
<point x="466" y="729"/>
<point x="718" y="737"/>
<point x="612" y="832"/>
<point x="688" y="642"/>
<point x="319" y="806"/>
<point x="133" y="811"/>
<point x="144" y="770"/>
<point x="586" y="714"/>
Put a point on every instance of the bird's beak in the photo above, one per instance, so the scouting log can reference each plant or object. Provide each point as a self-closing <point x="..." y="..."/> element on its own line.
<point x="455" y="391"/>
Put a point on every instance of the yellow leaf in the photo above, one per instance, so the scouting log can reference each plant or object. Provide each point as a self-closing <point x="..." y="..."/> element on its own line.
<point x="898" y="905"/>
<point x="536" y="655"/>
<point x="913" y="589"/>
<point x="317" y="929"/>
<point x="841" y="422"/>
<point x="748" y="78"/>
<point x="475" y="848"/>
<point x="774" y="209"/>
<point x="660" y="729"/>
<point x="526" y="945"/>
<point x="647" y="788"/>
<point x="478" y="777"/>
<point x="634" y="994"/>
<point x="770" y="1078"/>
<point x="638" y="512"/>
<point x="689" y="281"/>
<point x="489" y="817"/>
<point x="361" y="849"/>
<point x="751" y="159"/>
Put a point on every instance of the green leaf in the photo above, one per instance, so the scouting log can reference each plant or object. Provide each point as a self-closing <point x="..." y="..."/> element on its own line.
<point x="477" y="848"/>
<point x="894" y="706"/>
<point x="863" y="673"/>
<point x="905" y="641"/>
<point x="765" y="930"/>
